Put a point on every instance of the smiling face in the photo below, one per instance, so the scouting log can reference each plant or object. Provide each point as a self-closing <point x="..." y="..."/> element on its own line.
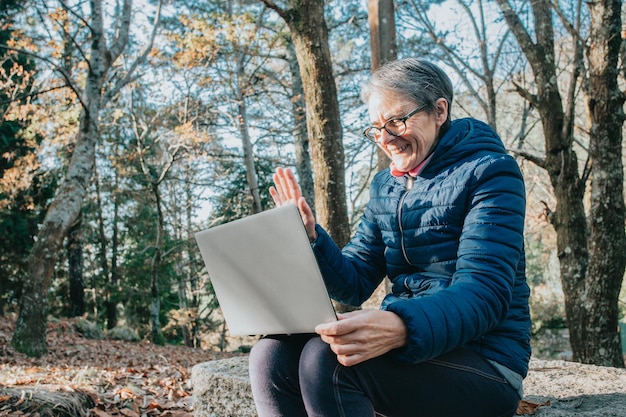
<point x="408" y="150"/>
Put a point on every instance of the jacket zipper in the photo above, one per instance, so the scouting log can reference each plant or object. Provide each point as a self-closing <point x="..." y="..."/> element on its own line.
<point x="408" y="186"/>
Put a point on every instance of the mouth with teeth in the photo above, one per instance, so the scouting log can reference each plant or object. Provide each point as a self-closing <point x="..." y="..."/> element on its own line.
<point x="400" y="149"/>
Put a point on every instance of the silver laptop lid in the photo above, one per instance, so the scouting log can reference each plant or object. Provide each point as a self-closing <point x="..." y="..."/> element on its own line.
<point x="265" y="275"/>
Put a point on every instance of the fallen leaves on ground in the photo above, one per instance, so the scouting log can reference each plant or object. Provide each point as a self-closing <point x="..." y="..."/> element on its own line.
<point x="529" y="407"/>
<point x="124" y="378"/>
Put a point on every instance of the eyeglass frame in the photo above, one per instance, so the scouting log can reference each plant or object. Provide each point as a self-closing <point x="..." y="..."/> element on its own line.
<point x="394" y="120"/>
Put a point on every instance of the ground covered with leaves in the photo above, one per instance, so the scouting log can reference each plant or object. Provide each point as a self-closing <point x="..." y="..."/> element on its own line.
<point x="104" y="377"/>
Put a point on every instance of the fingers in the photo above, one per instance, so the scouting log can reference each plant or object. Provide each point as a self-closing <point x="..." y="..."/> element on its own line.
<point x="275" y="196"/>
<point x="291" y="183"/>
<point x="345" y="340"/>
<point x="307" y="218"/>
<point x="349" y="354"/>
<point x="364" y="334"/>
<point x="337" y="328"/>
<point x="286" y="189"/>
<point x="351" y="360"/>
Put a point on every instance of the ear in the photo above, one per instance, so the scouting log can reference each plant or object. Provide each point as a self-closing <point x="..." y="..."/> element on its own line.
<point x="441" y="109"/>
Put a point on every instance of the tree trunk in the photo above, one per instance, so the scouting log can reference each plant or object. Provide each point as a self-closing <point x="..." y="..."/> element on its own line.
<point x="186" y="323"/>
<point x="301" y="139"/>
<point x="560" y="160"/>
<point x="154" y="178"/>
<point x="30" y="328"/>
<point x="113" y="278"/>
<point x="75" y="261"/>
<point x="383" y="46"/>
<point x="155" y="265"/>
<point x="110" y="310"/>
<point x="381" y="15"/>
<point x="586" y="256"/>
<point x="248" y="153"/>
<point x="192" y="252"/>
<point x="607" y="256"/>
<point x="307" y="24"/>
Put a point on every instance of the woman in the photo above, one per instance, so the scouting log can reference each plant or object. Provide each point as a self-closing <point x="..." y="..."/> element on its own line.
<point x="445" y="224"/>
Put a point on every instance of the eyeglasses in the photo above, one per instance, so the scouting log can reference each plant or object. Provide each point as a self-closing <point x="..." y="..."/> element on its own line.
<point x="395" y="127"/>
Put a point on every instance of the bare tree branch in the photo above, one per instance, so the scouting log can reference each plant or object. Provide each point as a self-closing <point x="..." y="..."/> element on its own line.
<point x="69" y="83"/>
<point x="574" y="31"/>
<point x="74" y="42"/>
<point x="140" y="59"/>
<point x="119" y="43"/>
<point x="532" y="98"/>
<point x="518" y="28"/>
<point x="271" y="5"/>
<point x="32" y="94"/>
<point x="538" y="160"/>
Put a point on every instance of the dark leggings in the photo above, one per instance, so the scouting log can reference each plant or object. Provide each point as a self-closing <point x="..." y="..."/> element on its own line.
<point x="299" y="375"/>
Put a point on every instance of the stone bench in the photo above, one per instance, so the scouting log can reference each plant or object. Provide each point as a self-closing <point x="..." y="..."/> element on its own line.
<point x="221" y="388"/>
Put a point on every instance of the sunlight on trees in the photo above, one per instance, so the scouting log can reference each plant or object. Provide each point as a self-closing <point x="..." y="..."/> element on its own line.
<point x="149" y="127"/>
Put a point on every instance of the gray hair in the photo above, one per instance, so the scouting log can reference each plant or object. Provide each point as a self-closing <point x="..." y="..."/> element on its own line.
<point x="417" y="79"/>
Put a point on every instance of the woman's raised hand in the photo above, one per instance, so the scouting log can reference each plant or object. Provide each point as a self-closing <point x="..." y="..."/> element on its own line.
<point x="286" y="190"/>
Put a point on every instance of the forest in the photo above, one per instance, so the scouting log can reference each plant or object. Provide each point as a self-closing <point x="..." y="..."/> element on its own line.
<point x="127" y="126"/>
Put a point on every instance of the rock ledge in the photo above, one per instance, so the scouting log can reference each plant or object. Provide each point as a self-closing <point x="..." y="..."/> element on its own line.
<point x="221" y="388"/>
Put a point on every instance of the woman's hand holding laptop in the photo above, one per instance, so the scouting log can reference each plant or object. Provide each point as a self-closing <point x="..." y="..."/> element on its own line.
<point x="363" y="334"/>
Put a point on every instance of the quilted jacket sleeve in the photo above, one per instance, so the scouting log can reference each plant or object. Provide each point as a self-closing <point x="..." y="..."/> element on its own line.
<point x="352" y="276"/>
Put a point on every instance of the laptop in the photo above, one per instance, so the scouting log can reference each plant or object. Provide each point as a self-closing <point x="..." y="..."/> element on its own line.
<point x="265" y="274"/>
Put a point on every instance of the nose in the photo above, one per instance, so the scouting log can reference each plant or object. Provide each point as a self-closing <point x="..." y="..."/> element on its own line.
<point x="385" y="137"/>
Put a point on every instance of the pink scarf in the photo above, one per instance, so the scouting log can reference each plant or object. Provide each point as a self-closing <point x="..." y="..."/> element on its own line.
<point x="413" y="173"/>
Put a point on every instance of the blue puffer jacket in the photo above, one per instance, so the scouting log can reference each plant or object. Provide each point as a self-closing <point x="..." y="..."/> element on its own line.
<point x="453" y="248"/>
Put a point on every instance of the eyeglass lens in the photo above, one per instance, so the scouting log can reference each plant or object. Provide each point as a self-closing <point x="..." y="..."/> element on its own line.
<point x="394" y="127"/>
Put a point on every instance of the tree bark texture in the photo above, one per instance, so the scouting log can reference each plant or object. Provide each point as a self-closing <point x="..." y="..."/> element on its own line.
<point x="155" y="266"/>
<point x="30" y="328"/>
<point x="607" y="254"/>
<point x="583" y="250"/>
<point x="75" y="267"/>
<point x="110" y="309"/>
<point x="301" y="138"/>
<point x="307" y="24"/>
<point x="381" y="16"/>
<point x="192" y="271"/>
<point x="248" y="153"/>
